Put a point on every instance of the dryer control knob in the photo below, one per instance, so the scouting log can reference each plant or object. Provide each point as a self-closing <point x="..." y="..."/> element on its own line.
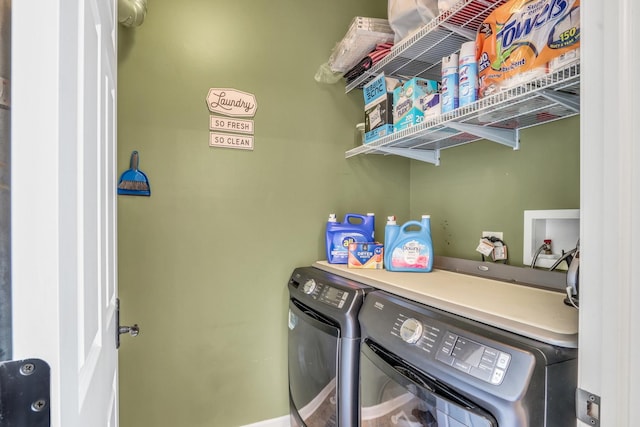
<point x="309" y="286"/>
<point x="411" y="330"/>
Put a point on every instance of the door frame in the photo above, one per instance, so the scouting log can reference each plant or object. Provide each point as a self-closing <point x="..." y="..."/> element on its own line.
<point x="64" y="213"/>
<point x="609" y="337"/>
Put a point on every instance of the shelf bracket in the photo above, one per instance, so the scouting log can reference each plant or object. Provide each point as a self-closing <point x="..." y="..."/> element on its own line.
<point x="508" y="137"/>
<point x="568" y="100"/>
<point x="429" y="156"/>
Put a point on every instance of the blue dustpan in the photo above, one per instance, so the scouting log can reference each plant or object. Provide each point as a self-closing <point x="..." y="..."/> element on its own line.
<point x="134" y="182"/>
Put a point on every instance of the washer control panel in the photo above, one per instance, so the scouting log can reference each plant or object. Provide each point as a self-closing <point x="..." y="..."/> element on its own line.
<point x="471" y="357"/>
<point x="309" y="286"/>
<point x="478" y="360"/>
<point x="325" y="294"/>
<point x="411" y="330"/>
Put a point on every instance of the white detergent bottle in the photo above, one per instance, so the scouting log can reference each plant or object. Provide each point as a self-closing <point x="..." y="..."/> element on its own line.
<point x="412" y="248"/>
<point x="390" y="232"/>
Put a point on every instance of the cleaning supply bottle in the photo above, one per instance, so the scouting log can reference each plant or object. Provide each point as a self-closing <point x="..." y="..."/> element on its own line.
<point x="411" y="250"/>
<point x="467" y="74"/>
<point x="390" y="232"/>
<point x="354" y="228"/>
<point x="449" y="89"/>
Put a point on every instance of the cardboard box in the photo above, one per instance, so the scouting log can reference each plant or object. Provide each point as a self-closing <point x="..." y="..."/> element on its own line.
<point x="366" y="255"/>
<point x="378" y="109"/>
<point x="378" y="133"/>
<point x="414" y="101"/>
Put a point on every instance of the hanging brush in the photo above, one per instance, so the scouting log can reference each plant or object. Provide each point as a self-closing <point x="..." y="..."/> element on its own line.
<point x="134" y="182"/>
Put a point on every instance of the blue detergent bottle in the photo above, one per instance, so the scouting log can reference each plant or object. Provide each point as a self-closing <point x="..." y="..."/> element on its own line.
<point x="390" y="232"/>
<point x="411" y="250"/>
<point x="354" y="228"/>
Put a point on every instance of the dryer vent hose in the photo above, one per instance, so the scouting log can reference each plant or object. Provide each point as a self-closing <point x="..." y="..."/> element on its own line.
<point x="131" y="13"/>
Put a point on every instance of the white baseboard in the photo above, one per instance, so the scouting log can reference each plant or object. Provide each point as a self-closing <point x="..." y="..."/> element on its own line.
<point x="274" y="422"/>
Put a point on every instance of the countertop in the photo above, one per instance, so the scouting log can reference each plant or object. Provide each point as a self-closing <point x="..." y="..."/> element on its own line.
<point x="536" y="313"/>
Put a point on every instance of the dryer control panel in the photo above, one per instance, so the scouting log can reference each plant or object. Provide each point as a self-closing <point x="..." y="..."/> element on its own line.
<point x="478" y="360"/>
<point x="333" y="296"/>
<point x="324" y="293"/>
<point x="445" y="344"/>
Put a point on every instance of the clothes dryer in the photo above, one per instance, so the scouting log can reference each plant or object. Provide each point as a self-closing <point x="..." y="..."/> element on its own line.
<point x="422" y="366"/>
<point x="323" y="348"/>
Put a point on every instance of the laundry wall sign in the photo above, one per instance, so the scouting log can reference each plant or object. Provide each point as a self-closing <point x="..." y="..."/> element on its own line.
<point x="226" y="129"/>
<point x="231" y="102"/>
<point x="226" y="124"/>
<point x="227" y="140"/>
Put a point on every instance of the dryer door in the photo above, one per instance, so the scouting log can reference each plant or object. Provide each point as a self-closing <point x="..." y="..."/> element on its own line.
<point x="396" y="394"/>
<point x="313" y="361"/>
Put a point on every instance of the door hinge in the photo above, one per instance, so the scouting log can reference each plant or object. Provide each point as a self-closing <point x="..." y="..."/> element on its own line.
<point x="588" y="407"/>
<point x="24" y="393"/>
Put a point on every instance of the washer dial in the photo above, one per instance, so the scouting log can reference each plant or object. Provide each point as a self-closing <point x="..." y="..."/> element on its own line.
<point x="411" y="330"/>
<point x="309" y="286"/>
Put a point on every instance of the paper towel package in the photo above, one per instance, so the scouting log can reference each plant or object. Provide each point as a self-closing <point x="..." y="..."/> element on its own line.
<point x="521" y="40"/>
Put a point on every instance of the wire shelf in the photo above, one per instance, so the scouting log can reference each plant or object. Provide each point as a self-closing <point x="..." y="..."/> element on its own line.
<point x="497" y="117"/>
<point x="421" y="54"/>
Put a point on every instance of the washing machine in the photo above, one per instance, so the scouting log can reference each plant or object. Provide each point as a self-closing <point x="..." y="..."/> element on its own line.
<point x="422" y="366"/>
<point x="323" y="348"/>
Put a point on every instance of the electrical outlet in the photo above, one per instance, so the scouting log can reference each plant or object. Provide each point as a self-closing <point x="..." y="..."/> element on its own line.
<point x="496" y="234"/>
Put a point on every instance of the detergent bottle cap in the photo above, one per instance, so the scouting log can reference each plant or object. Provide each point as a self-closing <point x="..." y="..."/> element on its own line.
<point x="391" y="220"/>
<point x="332" y="218"/>
<point x="426" y="216"/>
<point x="371" y="214"/>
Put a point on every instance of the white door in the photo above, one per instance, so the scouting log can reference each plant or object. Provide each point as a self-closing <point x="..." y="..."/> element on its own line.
<point x="610" y="205"/>
<point x="64" y="277"/>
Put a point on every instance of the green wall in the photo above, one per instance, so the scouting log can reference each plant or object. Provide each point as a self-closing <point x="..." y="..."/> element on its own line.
<point x="485" y="186"/>
<point x="204" y="261"/>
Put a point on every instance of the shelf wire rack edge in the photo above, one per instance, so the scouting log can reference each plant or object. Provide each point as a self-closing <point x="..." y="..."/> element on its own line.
<point x="431" y="26"/>
<point x="566" y="77"/>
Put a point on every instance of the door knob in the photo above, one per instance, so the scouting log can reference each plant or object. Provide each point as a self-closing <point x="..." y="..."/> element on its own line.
<point x="131" y="330"/>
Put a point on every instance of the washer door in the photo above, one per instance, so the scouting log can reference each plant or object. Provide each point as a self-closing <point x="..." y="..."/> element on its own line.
<point x="313" y="362"/>
<point x="394" y="393"/>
